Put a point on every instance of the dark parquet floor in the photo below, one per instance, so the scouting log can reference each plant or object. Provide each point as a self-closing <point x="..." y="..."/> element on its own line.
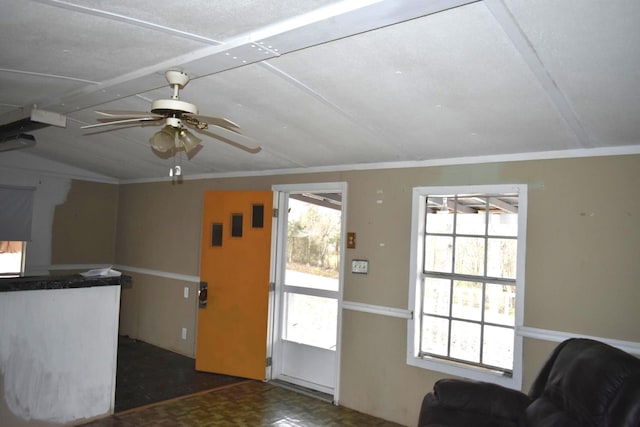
<point x="156" y="387"/>
<point x="148" y="374"/>
<point x="247" y="404"/>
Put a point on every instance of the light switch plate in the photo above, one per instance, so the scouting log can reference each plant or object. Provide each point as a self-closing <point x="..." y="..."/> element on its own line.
<point x="360" y="266"/>
<point x="351" y="240"/>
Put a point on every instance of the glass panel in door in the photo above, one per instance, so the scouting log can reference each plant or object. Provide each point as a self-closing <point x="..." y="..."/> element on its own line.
<point x="311" y="290"/>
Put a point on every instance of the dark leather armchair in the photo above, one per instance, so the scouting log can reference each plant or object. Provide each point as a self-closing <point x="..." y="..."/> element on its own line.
<point x="583" y="383"/>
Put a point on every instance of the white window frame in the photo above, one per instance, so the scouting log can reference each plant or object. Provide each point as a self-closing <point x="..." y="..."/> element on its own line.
<point x="416" y="265"/>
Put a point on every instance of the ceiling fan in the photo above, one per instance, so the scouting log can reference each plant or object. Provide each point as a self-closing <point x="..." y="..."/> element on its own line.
<point x="177" y="116"/>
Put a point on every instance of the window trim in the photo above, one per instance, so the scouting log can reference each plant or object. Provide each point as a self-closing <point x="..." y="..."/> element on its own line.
<point x="418" y="211"/>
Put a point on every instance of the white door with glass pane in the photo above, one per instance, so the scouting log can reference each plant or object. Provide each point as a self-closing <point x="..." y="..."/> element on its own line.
<point x="308" y="287"/>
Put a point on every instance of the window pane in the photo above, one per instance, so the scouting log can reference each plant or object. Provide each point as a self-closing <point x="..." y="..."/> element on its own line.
<point x="257" y="216"/>
<point x="501" y="258"/>
<point x="311" y="320"/>
<point x="11" y="258"/>
<point x="438" y="254"/>
<point x="236" y="225"/>
<point x="216" y="234"/>
<point x="308" y="280"/>
<point x="500" y="304"/>
<point x="437" y="295"/>
<point x="470" y="256"/>
<point x="439" y="220"/>
<point x="467" y="300"/>
<point x="471" y="223"/>
<point x="498" y="347"/>
<point x="435" y="335"/>
<point x="465" y="341"/>
<point x="502" y="224"/>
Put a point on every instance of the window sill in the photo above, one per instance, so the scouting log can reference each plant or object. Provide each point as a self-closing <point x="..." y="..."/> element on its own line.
<point x="468" y="372"/>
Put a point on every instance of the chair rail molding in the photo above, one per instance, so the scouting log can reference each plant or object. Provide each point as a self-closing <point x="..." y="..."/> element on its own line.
<point x="559" y="336"/>
<point x="120" y="267"/>
<point x="523" y="331"/>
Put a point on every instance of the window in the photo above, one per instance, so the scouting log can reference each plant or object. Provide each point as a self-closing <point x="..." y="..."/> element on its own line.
<point x="11" y="258"/>
<point x="467" y="270"/>
<point x="16" y="206"/>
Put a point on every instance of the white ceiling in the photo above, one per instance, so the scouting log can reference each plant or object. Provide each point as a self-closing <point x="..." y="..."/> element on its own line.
<point x="321" y="83"/>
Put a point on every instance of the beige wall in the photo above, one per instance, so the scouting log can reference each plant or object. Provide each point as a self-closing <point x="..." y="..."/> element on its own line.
<point x="84" y="225"/>
<point x="154" y="310"/>
<point x="582" y="274"/>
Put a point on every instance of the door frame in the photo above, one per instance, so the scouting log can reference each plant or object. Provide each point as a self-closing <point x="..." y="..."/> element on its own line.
<point x="278" y="266"/>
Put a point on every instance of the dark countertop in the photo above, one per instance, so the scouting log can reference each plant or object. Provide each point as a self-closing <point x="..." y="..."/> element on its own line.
<point x="32" y="283"/>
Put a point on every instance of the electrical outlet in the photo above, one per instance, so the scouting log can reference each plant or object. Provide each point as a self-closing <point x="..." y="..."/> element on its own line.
<point x="184" y="333"/>
<point x="360" y="266"/>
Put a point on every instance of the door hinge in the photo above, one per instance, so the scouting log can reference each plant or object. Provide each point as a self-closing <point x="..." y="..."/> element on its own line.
<point x="275" y="212"/>
<point x="269" y="361"/>
<point x="272" y="286"/>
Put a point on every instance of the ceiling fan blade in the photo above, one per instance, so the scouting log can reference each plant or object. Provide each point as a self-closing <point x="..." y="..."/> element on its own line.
<point x="126" y="114"/>
<point x="217" y="121"/>
<point x="232" y="138"/>
<point x="122" y="122"/>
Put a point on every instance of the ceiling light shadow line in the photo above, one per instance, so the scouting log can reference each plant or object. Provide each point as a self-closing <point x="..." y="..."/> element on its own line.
<point x="521" y="42"/>
<point x="373" y="133"/>
<point x="128" y="20"/>
<point x="49" y="76"/>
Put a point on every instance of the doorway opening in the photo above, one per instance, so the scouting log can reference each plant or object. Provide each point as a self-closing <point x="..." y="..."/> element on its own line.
<point x="308" y="254"/>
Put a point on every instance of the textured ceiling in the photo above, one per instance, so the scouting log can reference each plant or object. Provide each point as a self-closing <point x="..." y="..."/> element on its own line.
<point x="325" y="84"/>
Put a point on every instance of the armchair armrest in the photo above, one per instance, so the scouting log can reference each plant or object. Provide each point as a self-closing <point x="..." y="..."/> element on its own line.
<point x="485" y="398"/>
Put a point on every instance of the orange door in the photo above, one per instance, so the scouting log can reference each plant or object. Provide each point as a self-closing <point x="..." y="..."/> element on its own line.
<point x="235" y="261"/>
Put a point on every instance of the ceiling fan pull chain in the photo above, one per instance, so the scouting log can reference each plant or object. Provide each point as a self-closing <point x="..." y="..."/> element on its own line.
<point x="172" y="169"/>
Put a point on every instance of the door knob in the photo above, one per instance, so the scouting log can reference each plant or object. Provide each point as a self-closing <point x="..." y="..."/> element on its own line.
<point x="202" y="295"/>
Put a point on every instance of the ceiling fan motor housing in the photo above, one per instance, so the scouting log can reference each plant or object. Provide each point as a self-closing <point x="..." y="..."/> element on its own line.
<point x="174" y="107"/>
<point x="167" y="107"/>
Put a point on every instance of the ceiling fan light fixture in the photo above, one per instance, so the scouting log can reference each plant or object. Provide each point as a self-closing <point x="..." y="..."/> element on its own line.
<point x="164" y="140"/>
<point x="188" y="140"/>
